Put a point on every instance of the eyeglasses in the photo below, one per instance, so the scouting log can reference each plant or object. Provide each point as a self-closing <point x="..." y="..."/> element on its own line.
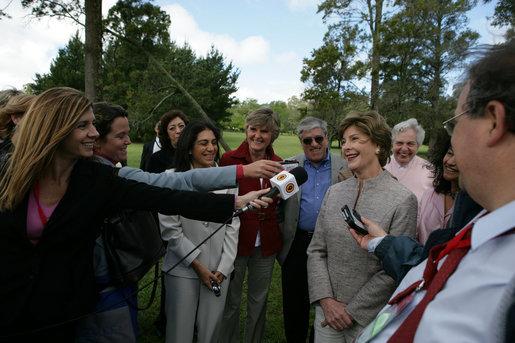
<point x="450" y="124"/>
<point x="308" y="140"/>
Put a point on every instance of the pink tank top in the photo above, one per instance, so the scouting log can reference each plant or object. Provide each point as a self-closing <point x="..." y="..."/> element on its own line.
<point x="34" y="224"/>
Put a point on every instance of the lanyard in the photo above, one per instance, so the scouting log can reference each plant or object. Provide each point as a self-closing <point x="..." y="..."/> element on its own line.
<point x="42" y="216"/>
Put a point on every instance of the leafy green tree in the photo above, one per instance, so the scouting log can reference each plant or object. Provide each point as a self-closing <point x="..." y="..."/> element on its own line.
<point x="289" y="116"/>
<point x="73" y="10"/>
<point x="424" y="42"/>
<point x="504" y="15"/>
<point x="401" y="94"/>
<point x="239" y="112"/>
<point x="367" y="22"/>
<point x="66" y="70"/>
<point x="301" y="107"/>
<point x="138" y="59"/>
<point x="413" y="45"/>
<point x="331" y="74"/>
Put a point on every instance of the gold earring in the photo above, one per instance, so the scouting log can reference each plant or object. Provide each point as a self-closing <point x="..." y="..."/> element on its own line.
<point x="378" y="151"/>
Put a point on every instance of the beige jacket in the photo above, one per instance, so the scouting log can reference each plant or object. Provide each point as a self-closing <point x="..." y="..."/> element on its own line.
<point x="337" y="267"/>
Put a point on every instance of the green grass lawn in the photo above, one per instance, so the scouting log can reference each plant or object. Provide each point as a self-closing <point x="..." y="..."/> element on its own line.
<point x="285" y="146"/>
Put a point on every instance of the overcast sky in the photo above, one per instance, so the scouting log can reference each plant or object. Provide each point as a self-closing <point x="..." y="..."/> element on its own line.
<point x="265" y="39"/>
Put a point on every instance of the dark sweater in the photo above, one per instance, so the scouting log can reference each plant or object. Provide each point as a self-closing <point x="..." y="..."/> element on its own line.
<point x="53" y="281"/>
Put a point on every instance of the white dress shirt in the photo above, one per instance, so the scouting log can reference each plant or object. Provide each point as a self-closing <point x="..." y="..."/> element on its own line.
<point x="465" y="308"/>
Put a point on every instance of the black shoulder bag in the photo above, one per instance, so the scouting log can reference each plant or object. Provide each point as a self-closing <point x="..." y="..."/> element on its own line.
<point x="133" y="245"/>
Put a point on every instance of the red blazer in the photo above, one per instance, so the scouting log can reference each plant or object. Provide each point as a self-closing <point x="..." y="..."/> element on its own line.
<point x="263" y="219"/>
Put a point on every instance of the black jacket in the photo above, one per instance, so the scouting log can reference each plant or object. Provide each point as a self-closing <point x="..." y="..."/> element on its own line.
<point x="148" y="150"/>
<point x="161" y="160"/>
<point x="53" y="281"/>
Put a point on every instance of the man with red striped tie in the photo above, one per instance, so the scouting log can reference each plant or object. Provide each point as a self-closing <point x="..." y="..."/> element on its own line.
<point x="464" y="291"/>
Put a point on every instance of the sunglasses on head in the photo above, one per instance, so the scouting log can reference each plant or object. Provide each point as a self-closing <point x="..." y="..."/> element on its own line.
<point x="308" y="140"/>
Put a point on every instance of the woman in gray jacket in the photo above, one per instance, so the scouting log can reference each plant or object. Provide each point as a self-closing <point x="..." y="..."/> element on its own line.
<point x="348" y="285"/>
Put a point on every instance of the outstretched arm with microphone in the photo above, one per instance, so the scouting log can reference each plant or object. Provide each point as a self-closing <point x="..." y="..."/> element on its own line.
<point x="284" y="183"/>
<point x="254" y="199"/>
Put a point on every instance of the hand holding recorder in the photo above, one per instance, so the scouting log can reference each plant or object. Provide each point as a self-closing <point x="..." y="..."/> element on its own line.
<point x="373" y="230"/>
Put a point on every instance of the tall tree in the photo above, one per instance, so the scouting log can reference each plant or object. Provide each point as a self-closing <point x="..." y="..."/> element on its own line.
<point x="150" y="75"/>
<point x="66" y="70"/>
<point x="428" y="39"/>
<point x="93" y="47"/>
<point x="73" y="10"/>
<point x="402" y="95"/>
<point x="367" y="21"/>
<point x="330" y="75"/>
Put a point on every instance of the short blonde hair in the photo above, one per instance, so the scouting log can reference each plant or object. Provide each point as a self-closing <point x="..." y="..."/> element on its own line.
<point x="374" y="126"/>
<point x="265" y="116"/>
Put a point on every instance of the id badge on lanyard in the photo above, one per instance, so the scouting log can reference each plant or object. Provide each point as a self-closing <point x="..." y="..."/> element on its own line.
<point x="384" y="318"/>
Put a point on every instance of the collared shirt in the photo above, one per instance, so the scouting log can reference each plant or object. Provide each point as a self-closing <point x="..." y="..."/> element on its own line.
<point x="399" y="165"/>
<point x="313" y="192"/>
<point x="465" y="309"/>
<point x="416" y="175"/>
<point x="157" y="145"/>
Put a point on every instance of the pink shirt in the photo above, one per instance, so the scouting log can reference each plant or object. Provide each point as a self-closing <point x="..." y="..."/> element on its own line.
<point x="415" y="176"/>
<point x="431" y="214"/>
<point x="34" y="225"/>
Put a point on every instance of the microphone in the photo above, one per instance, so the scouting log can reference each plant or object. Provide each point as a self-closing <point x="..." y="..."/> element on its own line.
<point x="285" y="183"/>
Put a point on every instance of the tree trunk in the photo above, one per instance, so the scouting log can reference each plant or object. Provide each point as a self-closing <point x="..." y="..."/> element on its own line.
<point x="92" y="47"/>
<point x="376" y="19"/>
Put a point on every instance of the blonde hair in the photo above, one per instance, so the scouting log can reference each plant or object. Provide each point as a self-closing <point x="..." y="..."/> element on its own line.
<point x="265" y="116"/>
<point x="50" y="119"/>
<point x="17" y="106"/>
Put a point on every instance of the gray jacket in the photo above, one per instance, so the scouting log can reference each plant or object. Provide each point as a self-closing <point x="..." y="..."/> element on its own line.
<point x="337" y="267"/>
<point x="183" y="235"/>
<point x="291" y="207"/>
<point x="200" y="180"/>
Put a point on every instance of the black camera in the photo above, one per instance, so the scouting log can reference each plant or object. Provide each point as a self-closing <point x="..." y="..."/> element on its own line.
<point x="353" y="219"/>
<point x="216" y="287"/>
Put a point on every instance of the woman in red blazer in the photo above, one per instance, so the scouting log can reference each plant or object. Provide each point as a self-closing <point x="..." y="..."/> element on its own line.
<point x="259" y="237"/>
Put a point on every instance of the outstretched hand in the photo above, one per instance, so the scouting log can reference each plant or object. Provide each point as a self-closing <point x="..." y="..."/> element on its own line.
<point x="265" y="169"/>
<point x="374" y="231"/>
<point x="252" y="198"/>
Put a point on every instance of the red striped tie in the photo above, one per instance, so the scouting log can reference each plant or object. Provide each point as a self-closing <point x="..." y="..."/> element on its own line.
<point x="433" y="280"/>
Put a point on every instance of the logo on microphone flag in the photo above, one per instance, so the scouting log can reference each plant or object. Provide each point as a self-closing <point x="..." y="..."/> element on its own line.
<point x="281" y="177"/>
<point x="290" y="187"/>
<point x="285" y="183"/>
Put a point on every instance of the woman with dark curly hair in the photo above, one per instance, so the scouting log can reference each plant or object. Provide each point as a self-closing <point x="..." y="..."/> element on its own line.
<point x="435" y="207"/>
<point x="171" y="125"/>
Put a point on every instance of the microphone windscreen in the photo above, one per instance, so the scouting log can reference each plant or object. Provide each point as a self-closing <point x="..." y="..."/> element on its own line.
<point x="300" y="175"/>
